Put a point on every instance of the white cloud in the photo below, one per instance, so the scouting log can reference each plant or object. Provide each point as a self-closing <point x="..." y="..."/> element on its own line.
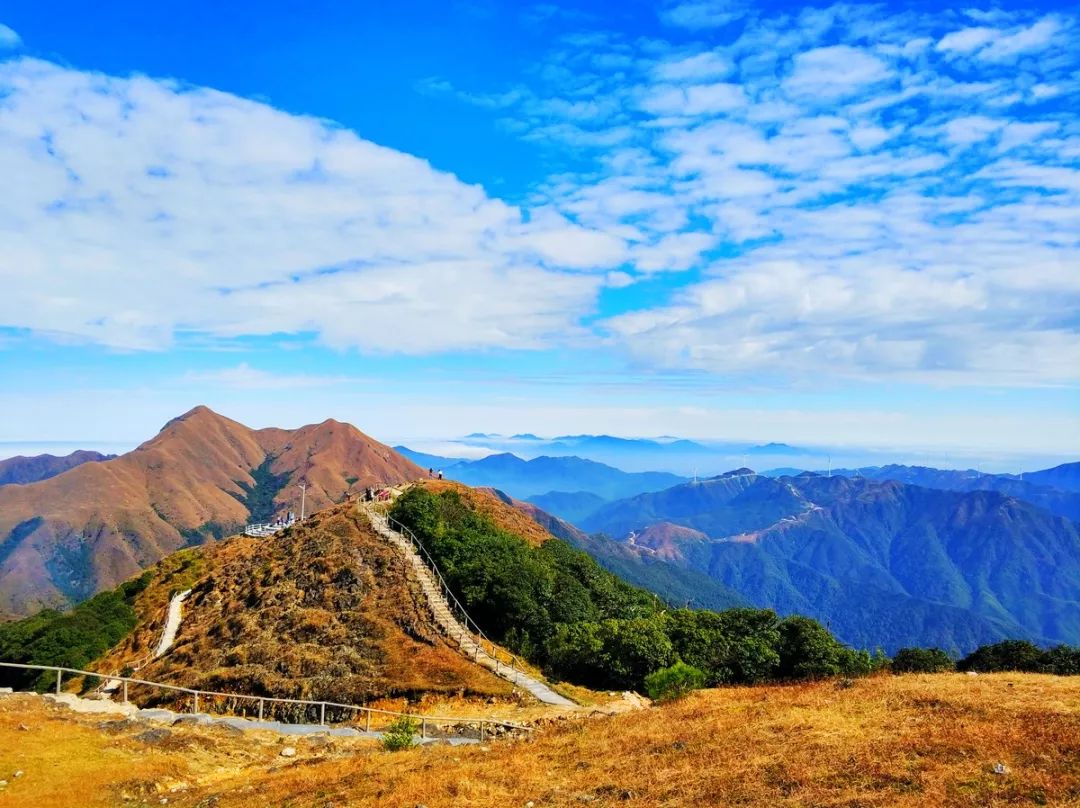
<point x="1035" y="36"/>
<point x="967" y="39"/>
<point x="971" y="129"/>
<point x="137" y="209"/>
<point x="834" y="72"/>
<point x="8" y="38"/>
<point x="674" y="252"/>
<point x="699" y="99"/>
<point x="701" y="14"/>
<point x="700" y="66"/>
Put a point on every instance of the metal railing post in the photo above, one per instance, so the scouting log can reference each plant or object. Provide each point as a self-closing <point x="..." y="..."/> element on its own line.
<point x="423" y="730"/>
<point x="483" y="735"/>
<point x="322" y="715"/>
<point x="125" y="693"/>
<point x="232" y="698"/>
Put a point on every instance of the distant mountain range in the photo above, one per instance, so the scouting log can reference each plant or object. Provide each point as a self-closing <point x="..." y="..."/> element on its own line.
<point x="675" y="455"/>
<point x="568" y="485"/>
<point x="21" y="470"/>
<point x="1065" y="477"/>
<point x="428" y="461"/>
<point x="1048" y="489"/>
<point x="882" y="562"/>
<point x="203" y="476"/>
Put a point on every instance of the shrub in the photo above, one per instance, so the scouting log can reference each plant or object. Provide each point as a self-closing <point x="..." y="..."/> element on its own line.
<point x="1063" y="660"/>
<point x="809" y="651"/>
<point x="668" y="684"/>
<point x="1010" y="655"/>
<point x="922" y="660"/>
<point x="400" y="735"/>
<point x="611" y="654"/>
<point x="736" y="646"/>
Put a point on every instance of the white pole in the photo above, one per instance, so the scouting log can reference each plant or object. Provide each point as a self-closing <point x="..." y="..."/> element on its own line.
<point x="303" y="500"/>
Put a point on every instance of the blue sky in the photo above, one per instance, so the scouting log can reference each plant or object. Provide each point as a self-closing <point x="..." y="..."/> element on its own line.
<point x="827" y="224"/>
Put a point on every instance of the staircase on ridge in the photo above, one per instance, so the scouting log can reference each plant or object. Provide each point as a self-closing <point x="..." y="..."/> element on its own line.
<point x="470" y="644"/>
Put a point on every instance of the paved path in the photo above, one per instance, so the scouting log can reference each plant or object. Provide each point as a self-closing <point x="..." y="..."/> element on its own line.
<point x="168" y="637"/>
<point x="450" y="626"/>
<point x="171" y="718"/>
<point x="172" y="623"/>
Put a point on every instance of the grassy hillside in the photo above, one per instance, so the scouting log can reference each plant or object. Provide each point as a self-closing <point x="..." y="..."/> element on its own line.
<point x="323" y="610"/>
<point x="901" y="742"/>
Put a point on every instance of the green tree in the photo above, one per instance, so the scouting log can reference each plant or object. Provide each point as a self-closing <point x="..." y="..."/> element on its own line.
<point x="1010" y="655"/>
<point x="809" y="651"/>
<point x="736" y="646"/>
<point x="1063" y="660"/>
<point x="612" y="653"/>
<point x="922" y="660"/>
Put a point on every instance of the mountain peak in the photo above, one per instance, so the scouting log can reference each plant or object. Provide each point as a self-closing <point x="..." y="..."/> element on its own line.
<point x="196" y="413"/>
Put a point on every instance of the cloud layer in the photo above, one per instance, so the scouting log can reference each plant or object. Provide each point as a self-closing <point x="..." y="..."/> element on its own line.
<point x="862" y="194"/>
<point x="837" y="192"/>
<point x="138" y="210"/>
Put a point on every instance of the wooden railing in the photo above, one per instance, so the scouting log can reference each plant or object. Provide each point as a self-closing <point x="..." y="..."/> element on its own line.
<point x="485" y="725"/>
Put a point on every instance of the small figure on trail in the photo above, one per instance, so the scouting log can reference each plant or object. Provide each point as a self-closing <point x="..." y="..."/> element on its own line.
<point x="440" y="474"/>
<point x="431" y="472"/>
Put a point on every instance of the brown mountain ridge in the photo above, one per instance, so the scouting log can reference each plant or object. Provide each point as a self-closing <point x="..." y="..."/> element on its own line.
<point x="203" y="476"/>
<point x="21" y="470"/>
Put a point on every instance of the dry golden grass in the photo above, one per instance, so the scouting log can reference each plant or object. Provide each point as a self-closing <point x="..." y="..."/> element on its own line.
<point x="903" y="741"/>
<point x="81" y="761"/>
<point x="914" y="741"/>
<point x="325" y="611"/>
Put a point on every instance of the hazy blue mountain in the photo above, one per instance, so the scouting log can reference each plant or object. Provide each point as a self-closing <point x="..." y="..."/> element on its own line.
<point x="719" y="506"/>
<point x="21" y="470"/>
<point x="573" y="506"/>
<point x="527" y="478"/>
<point x="1057" y="500"/>
<point x="780" y="449"/>
<point x="671" y="454"/>
<point x="428" y="461"/>
<point x="1065" y="477"/>
<point x="676" y="584"/>
<point x="882" y="562"/>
